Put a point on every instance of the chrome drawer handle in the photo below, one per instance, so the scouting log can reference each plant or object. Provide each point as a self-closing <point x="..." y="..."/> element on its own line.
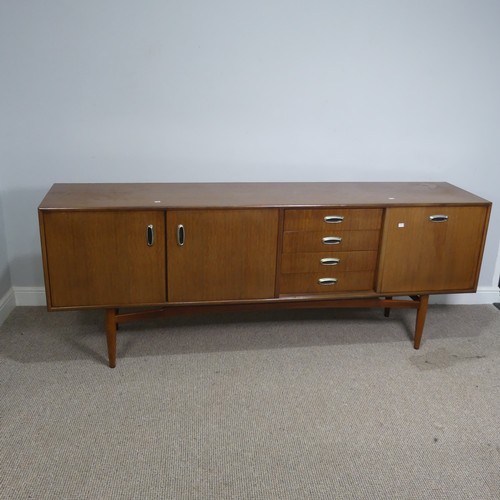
<point x="150" y="236"/>
<point x="329" y="261"/>
<point x="332" y="240"/>
<point x="181" y="235"/>
<point x="438" y="218"/>
<point x="327" y="281"/>
<point x="333" y="219"/>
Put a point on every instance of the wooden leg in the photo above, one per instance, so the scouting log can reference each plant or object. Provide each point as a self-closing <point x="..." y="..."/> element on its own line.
<point x="111" y="336"/>
<point x="387" y="310"/>
<point x="419" y="326"/>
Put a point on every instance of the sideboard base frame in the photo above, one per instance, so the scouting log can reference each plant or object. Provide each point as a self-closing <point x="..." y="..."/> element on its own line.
<point x="114" y="317"/>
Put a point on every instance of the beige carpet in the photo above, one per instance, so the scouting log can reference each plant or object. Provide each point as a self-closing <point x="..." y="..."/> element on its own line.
<point x="289" y="405"/>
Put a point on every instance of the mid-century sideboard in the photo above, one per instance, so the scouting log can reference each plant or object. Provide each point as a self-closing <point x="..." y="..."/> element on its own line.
<point x="143" y="250"/>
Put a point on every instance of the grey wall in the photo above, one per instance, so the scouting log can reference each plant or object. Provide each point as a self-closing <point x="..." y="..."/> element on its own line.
<point x="119" y="90"/>
<point x="5" y="282"/>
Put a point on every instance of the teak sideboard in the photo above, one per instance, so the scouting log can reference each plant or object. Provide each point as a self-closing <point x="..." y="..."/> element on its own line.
<point x="143" y="250"/>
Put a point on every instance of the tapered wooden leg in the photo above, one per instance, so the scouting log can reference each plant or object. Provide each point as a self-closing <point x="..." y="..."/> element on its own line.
<point x="387" y="310"/>
<point x="111" y="336"/>
<point x="419" y="326"/>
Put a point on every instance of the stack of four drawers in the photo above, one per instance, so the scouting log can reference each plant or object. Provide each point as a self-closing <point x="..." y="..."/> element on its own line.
<point x="329" y="251"/>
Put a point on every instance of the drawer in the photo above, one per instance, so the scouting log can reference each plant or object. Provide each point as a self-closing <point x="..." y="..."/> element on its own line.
<point x="326" y="262"/>
<point x="317" y="219"/>
<point x="329" y="240"/>
<point x="340" y="282"/>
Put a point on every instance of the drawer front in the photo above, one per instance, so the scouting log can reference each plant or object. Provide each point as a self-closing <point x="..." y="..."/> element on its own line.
<point x="325" y="282"/>
<point x="329" y="240"/>
<point x="327" y="262"/>
<point x="332" y="219"/>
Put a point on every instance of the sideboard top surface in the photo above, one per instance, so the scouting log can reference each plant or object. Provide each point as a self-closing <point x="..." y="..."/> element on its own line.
<point x="253" y="194"/>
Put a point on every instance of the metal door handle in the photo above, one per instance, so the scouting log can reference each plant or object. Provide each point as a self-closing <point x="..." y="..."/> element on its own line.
<point x="329" y="261"/>
<point x="181" y="235"/>
<point x="332" y="240"/>
<point x="334" y="219"/>
<point x="438" y="218"/>
<point x="327" y="281"/>
<point x="150" y="236"/>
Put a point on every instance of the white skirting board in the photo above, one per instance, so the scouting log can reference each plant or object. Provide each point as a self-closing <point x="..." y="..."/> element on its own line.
<point x="484" y="295"/>
<point x="35" y="296"/>
<point x="30" y="295"/>
<point x="7" y="304"/>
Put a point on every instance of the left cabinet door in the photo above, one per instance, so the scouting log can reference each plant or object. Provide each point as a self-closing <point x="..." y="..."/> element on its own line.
<point x="104" y="259"/>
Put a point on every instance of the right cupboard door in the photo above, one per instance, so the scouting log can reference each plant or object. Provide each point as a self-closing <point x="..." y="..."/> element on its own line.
<point x="431" y="249"/>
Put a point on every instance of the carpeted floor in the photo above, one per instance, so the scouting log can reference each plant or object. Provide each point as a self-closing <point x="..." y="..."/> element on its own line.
<point x="287" y="405"/>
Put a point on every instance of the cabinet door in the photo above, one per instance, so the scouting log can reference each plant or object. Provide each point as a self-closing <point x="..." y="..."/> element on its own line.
<point x="424" y="253"/>
<point x="225" y="254"/>
<point x="97" y="259"/>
